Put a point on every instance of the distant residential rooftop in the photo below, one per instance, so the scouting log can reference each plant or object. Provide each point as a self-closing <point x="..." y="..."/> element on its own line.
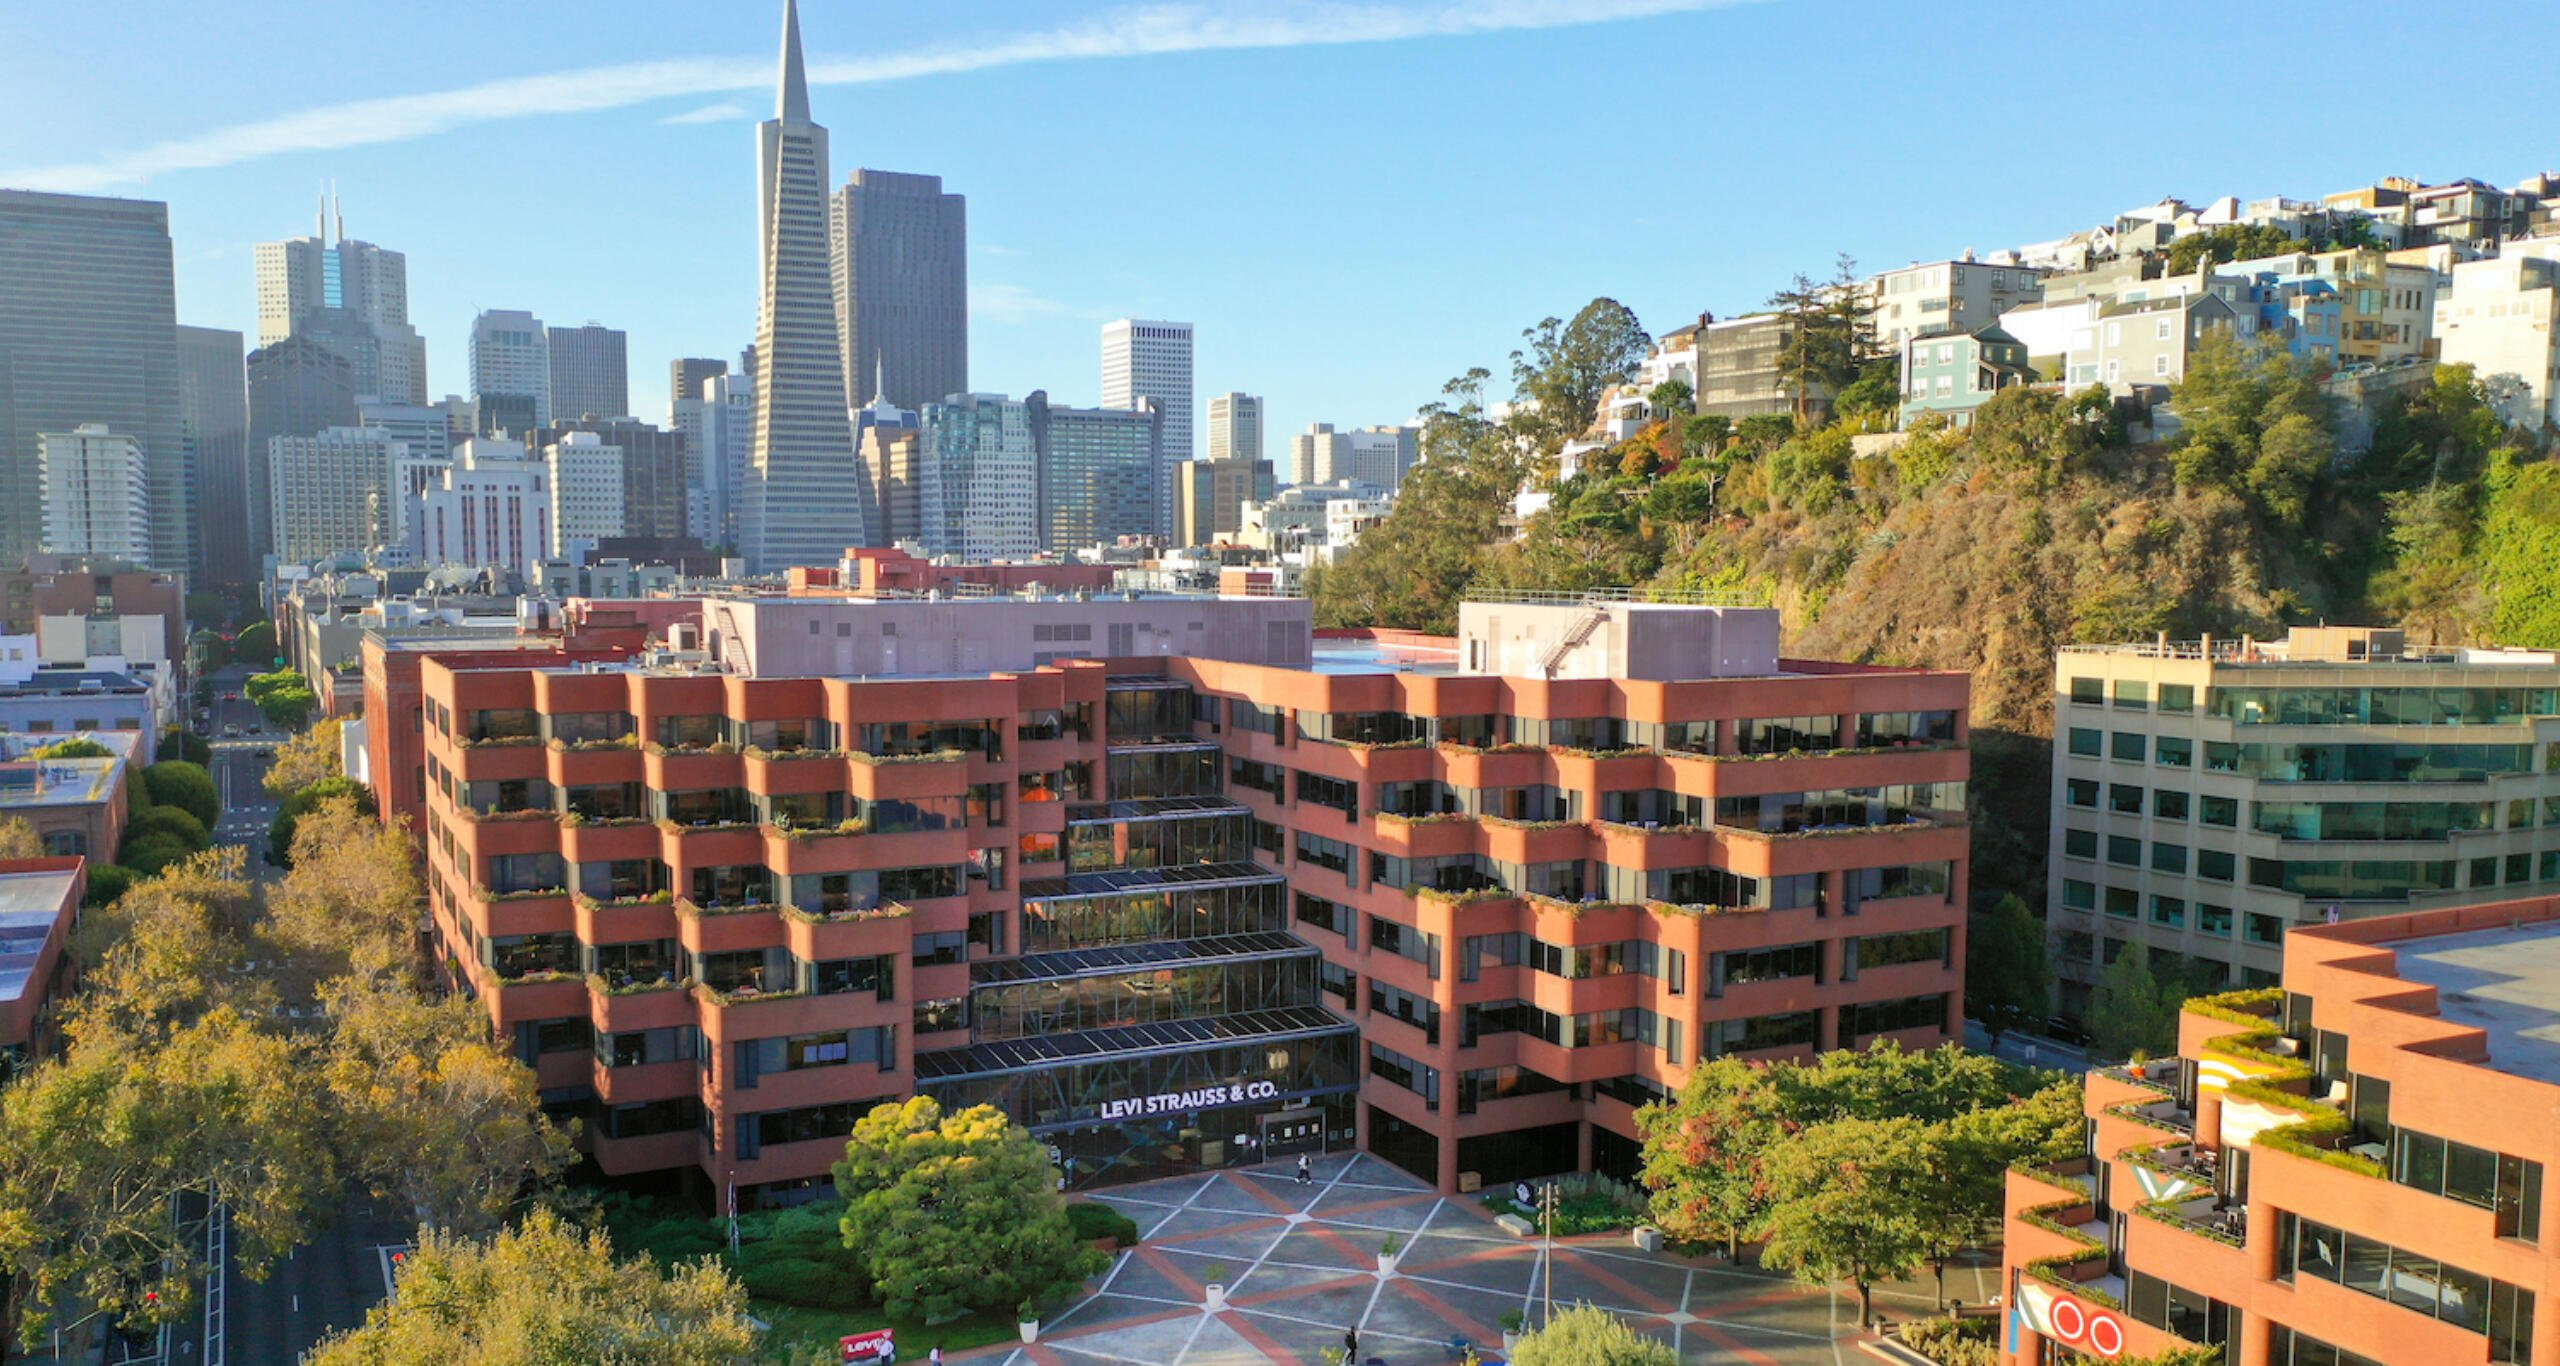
<point x="2505" y="982"/>
<point x="51" y="681"/>
<point x="30" y="903"/>
<point x="29" y="783"/>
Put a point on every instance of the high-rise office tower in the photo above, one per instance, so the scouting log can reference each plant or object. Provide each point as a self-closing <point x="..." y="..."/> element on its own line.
<point x="652" y="469"/>
<point x="1235" y="427"/>
<point x="901" y="262"/>
<point x="1146" y="359"/>
<point x="88" y="333"/>
<point x="718" y="426"/>
<point x="590" y="373"/>
<point x="871" y="417"/>
<point x="213" y="412"/>
<point x="1209" y="498"/>
<point x="686" y="374"/>
<point x="1099" y="468"/>
<point x="96" y="494"/>
<point x="301" y="277"/>
<point x="804" y="501"/>
<point x="981" y="492"/>
<point x="298" y="387"/>
<point x="893" y="455"/>
<point x="511" y="366"/>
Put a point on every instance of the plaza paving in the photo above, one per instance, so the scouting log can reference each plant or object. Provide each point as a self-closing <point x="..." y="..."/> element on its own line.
<point x="1300" y="1264"/>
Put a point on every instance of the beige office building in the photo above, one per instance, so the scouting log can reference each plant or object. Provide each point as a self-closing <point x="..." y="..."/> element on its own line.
<point x="2207" y="795"/>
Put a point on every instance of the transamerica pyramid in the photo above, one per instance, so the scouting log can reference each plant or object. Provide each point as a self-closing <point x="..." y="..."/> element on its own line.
<point x="804" y="494"/>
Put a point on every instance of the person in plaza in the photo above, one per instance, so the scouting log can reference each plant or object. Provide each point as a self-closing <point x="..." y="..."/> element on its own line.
<point x="1351" y="1344"/>
<point x="1306" y="1172"/>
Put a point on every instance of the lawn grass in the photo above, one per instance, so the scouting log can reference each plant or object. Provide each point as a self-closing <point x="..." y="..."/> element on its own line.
<point x="798" y="1331"/>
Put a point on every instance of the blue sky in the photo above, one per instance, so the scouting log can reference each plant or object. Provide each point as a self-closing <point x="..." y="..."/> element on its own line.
<point x="1347" y="223"/>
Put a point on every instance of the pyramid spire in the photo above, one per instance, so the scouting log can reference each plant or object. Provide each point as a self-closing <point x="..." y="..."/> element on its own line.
<point x="794" y="101"/>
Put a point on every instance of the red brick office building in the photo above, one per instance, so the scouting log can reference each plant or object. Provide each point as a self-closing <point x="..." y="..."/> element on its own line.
<point x="1179" y="884"/>
<point x="2344" y="1171"/>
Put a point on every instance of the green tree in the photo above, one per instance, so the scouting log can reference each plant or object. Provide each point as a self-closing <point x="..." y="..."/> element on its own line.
<point x="291" y="811"/>
<point x="255" y="646"/>
<point x="19" y="840"/>
<point x="96" y="1147"/>
<point x="2255" y="423"/>
<point x="212" y="651"/>
<point x="1411" y="570"/>
<point x="1705" y="1152"/>
<point x="2131" y="1010"/>
<point x="79" y="747"/>
<point x="2229" y="242"/>
<point x="180" y="743"/>
<point x="207" y="609"/>
<point x="2433" y="585"/>
<point x="1847" y="1193"/>
<point x="1969" y="1156"/>
<point x="1568" y="367"/>
<point x="547" y="1292"/>
<point x="2521" y="562"/>
<point x="1589" y="1336"/>
<point x="2007" y="978"/>
<point x="187" y="786"/>
<point x="347" y="907"/>
<point x="1830" y="335"/>
<point x="306" y="759"/>
<point x="107" y="883"/>
<point x="1671" y="400"/>
<point x="172" y="823"/>
<point x="429" y="1112"/>
<point x="955" y="1212"/>
<point x="287" y="706"/>
<point x="1875" y="396"/>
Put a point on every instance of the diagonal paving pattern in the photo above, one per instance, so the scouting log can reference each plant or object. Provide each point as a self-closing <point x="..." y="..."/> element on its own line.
<point x="1300" y="1265"/>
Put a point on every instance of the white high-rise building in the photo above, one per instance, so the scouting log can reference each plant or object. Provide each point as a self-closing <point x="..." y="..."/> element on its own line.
<point x="804" y="498"/>
<point x="1235" y="427"/>
<point x="2502" y="318"/>
<point x="489" y="507"/>
<point x="981" y="476"/>
<point x="97" y="493"/>
<point x="1143" y="358"/>
<point x="511" y="364"/>
<point x="586" y="491"/>
<point x="719" y="435"/>
<point x="330" y="493"/>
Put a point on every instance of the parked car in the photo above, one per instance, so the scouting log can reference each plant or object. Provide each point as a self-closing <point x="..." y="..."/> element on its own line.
<point x="230" y="730"/>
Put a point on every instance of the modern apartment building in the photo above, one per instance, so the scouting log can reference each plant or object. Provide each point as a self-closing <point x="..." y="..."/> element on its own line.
<point x="2499" y="319"/>
<point x="88" y="333"/>
<point x="1177" y="883"/>
<point x="586" y="491"/>
<point x="1143" y="358"/>
<point x="97" y="493"/>
<point x="2208" y="796"/>
<point x="1742" y="369"/>
<point x="1927" y="300"/>
<point x="213" y="412"/>
<point x="1102" y="473"/>
<point x="803" y="496"/>
<point x="1235" y="427"/>
<point x="2346" y="1170"/>
<point x="900" y="251"/>
<point x="511" y="365"/>
<point x="590" y="372"/>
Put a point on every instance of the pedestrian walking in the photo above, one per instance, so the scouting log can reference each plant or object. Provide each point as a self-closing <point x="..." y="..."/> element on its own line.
<point x="2332" y="914"/>
<point x="1306" y="1171"/>
<point x="934" y="1357"/>
<point x="1350" y="1344"/>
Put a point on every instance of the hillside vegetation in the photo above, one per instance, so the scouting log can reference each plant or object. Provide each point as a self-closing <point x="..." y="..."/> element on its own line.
<point x="1988" y="548"/>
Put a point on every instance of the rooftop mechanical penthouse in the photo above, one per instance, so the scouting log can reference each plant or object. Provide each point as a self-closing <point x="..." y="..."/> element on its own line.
<point x="1181" y="883"/>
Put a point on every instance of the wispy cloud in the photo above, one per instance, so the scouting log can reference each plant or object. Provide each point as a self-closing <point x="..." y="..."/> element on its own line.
<point x="1006" y="305"/>
<point x="1151" y="30"/>
<point x="723" y="112"/>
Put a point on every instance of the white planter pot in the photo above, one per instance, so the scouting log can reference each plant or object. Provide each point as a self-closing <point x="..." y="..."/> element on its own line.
<point x="1030" y="1331"/>
<point x="1217" y="1298"/>
<point x="1387" y="1263"/>
<point x="1648" y="1238"/>
<point x="1510" y="1343"/>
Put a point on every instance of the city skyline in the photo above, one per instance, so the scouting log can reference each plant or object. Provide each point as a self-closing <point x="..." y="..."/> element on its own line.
<point x="1048" y="265"/>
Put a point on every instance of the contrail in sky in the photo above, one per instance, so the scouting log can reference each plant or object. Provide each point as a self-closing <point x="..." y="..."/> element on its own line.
<point x="1133" y="32"/>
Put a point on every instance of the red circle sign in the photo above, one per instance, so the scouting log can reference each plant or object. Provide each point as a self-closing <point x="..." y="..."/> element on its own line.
<point x="2096" y="1330"/>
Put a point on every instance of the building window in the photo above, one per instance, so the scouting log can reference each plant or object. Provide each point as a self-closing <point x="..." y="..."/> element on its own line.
<point x="2087" y="743"/>
<point x="2130" y="745"/>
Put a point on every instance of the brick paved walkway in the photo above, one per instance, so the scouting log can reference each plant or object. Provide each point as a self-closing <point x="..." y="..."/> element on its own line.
<point x="1300" y="1265"/>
